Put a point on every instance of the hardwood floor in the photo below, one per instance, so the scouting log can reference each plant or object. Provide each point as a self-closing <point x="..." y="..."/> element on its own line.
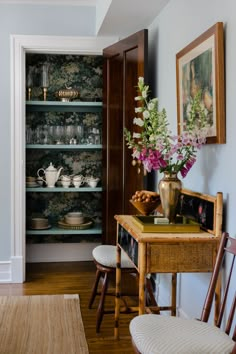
<point x="76" y="278"/>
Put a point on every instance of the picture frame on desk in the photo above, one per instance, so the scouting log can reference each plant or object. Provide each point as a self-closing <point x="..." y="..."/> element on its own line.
<point x="200" y="67"/>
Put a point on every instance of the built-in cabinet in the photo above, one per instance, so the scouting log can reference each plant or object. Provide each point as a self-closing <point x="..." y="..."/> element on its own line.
<point x="107" y="87"/>
<point x="68" y="135"/>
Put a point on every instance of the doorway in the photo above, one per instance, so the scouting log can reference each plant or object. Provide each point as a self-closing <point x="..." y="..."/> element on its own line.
<point x="20" y="45"/>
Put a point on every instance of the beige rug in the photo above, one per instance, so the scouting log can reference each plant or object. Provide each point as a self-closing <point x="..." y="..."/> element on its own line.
<point x="41" y="324"/>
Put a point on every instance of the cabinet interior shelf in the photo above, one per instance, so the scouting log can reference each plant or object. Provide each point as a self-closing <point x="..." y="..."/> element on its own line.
<point x="96" y="230"/>
<point x="65" y="147"/>
<point x="62" y="189"/>
<point x="78" y="106"/>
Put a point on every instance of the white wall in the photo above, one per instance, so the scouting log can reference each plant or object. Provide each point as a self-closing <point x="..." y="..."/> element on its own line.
<point x="32" y="20"/>
<point x="180" y="23"/>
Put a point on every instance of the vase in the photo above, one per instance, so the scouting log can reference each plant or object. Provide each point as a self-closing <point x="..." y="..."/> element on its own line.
<point x="169" y="189"/>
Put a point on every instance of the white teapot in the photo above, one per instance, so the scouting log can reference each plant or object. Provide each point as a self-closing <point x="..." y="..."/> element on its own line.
<point x="51" y="175"/>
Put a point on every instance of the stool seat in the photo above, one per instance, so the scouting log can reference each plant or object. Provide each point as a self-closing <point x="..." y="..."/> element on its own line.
<point x="105" y="260"/>
<point x="106" y="256"/>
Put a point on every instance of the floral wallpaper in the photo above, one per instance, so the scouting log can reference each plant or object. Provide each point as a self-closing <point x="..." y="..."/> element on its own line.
<point x="82" y="72"/>
<point x="52" y="127"/>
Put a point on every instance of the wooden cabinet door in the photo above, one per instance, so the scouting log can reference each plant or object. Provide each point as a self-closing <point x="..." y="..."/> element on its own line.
<point x="124" y="62"/>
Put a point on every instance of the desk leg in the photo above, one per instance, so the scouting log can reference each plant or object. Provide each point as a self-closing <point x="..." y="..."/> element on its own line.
<point x="142" y="277"/>
<point x="118" y="290"/>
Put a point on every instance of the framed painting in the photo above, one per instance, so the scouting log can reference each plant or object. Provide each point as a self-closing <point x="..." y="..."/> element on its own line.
<point x="200" y="66"/>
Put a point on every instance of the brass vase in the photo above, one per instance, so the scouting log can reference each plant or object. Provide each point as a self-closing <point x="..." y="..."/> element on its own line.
<point x="169" y="189"/>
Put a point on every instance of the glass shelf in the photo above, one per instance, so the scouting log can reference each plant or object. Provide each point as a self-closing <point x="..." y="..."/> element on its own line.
<point x="62" y="189"/>
<point x="96" y="230"/>
<point x="75" y="106"/>
<point x="65" y="147"/>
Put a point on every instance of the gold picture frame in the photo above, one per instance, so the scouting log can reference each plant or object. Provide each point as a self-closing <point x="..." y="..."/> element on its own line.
<point x="200" y="66"/>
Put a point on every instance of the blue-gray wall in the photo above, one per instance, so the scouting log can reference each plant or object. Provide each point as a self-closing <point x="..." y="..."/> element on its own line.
<point x="28" y="20"/>
<point x="179" y="24"/>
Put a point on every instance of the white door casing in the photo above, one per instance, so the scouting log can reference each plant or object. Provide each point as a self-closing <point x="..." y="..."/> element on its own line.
<point x="20" y="45"/>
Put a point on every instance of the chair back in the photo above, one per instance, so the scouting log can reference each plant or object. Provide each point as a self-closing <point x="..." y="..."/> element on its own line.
<point x="227" y="247"/>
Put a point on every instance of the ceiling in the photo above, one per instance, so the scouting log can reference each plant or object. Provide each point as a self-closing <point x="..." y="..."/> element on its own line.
<point x="113" y="17"/>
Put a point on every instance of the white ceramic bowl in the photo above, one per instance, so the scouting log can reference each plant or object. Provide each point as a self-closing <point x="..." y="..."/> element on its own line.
<point x="74" y="218"/>
<point x="65" y="184"/>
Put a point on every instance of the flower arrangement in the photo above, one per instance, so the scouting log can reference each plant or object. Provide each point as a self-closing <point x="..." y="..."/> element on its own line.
<point x="155" y="146"/>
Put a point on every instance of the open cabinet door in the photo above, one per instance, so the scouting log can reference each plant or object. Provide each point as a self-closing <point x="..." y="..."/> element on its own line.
<point x="124" y="62"/>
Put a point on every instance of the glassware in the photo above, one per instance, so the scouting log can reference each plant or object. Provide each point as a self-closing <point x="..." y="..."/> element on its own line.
<point x="79" y="133"/>
<point x="45" y="79"/>
<point x="70" y="133"/>
<point x="59" y="132"/>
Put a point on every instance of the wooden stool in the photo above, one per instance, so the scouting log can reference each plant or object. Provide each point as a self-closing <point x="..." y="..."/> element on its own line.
<point x="105" y="259"/>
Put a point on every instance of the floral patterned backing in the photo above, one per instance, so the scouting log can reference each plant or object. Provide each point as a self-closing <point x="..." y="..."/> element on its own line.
<point x="85" y="74"/>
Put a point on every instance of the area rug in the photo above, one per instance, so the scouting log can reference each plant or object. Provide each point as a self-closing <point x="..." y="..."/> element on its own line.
<point x="41" y="324"/>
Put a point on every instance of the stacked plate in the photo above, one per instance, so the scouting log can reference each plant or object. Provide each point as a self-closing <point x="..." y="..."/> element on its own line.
<point x="39" y="224"/>
<point x="76" y="221"/>
<point x="31" y="182"/>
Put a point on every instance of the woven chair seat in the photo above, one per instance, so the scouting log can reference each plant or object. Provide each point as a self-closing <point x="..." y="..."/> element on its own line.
<point x="106" y="255"/>
<point x="156" y="334"/>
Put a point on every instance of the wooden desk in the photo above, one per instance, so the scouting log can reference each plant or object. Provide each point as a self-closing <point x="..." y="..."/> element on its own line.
<point x="161" y="253"/>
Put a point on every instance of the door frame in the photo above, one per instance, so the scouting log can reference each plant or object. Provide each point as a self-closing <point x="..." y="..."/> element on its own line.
<point x="20" y="45"/>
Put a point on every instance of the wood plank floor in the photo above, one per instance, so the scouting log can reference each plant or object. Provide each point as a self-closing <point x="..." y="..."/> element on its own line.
<point x="76" y="278"/>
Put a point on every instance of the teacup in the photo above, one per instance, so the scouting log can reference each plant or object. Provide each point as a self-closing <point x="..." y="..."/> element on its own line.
<point x="65" y="178"/>
<point x="77" y="183"/>
<point x="78" y="178"/>
<point x="92" y="181"/>
<point x="65" y="184"/>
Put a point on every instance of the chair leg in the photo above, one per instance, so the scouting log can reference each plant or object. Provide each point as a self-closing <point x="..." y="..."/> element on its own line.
<point x="150" y="296"/>
<point x="100" y="310"/>
<point x="95" y="287"/>
<point x="173" y="293"/>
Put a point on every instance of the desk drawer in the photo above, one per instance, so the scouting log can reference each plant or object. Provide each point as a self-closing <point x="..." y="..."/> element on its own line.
<point x="181" y="257"/>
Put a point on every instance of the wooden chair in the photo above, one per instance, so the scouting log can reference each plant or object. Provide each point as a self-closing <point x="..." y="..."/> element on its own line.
<point x="105" y="260"/>
<point x="167" y="334"/>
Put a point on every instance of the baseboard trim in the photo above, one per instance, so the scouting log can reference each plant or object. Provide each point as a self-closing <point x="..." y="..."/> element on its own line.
<point x="5" y="272"/>
<point x="59" y="252"/>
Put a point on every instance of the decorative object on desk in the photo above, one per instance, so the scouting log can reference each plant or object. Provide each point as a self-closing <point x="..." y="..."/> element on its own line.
<point x="156" y="148"/>
<point x="45" y="79"/>
<point x="169" y="189"/>
<point x="67" y="94"/>
<point x="145" y="201"/>
<point x="161" y="224"/>
<point x="51" y="175"/>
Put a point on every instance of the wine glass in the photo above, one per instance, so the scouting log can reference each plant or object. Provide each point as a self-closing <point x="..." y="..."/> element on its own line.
<point x="59" y="132"/>
<point x="70" y="133"/>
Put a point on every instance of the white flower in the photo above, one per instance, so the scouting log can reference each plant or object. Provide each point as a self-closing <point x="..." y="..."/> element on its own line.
<point x="138" y="98"/>
<point x="151" y="106"/>
<point x="146" y="114"/>
<point x="144" y="94"/>
<point x="138" y="109"/>
<point x="136" y="135"/>
<point x="138" y="121"/>
<point x="141" y="80"/>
